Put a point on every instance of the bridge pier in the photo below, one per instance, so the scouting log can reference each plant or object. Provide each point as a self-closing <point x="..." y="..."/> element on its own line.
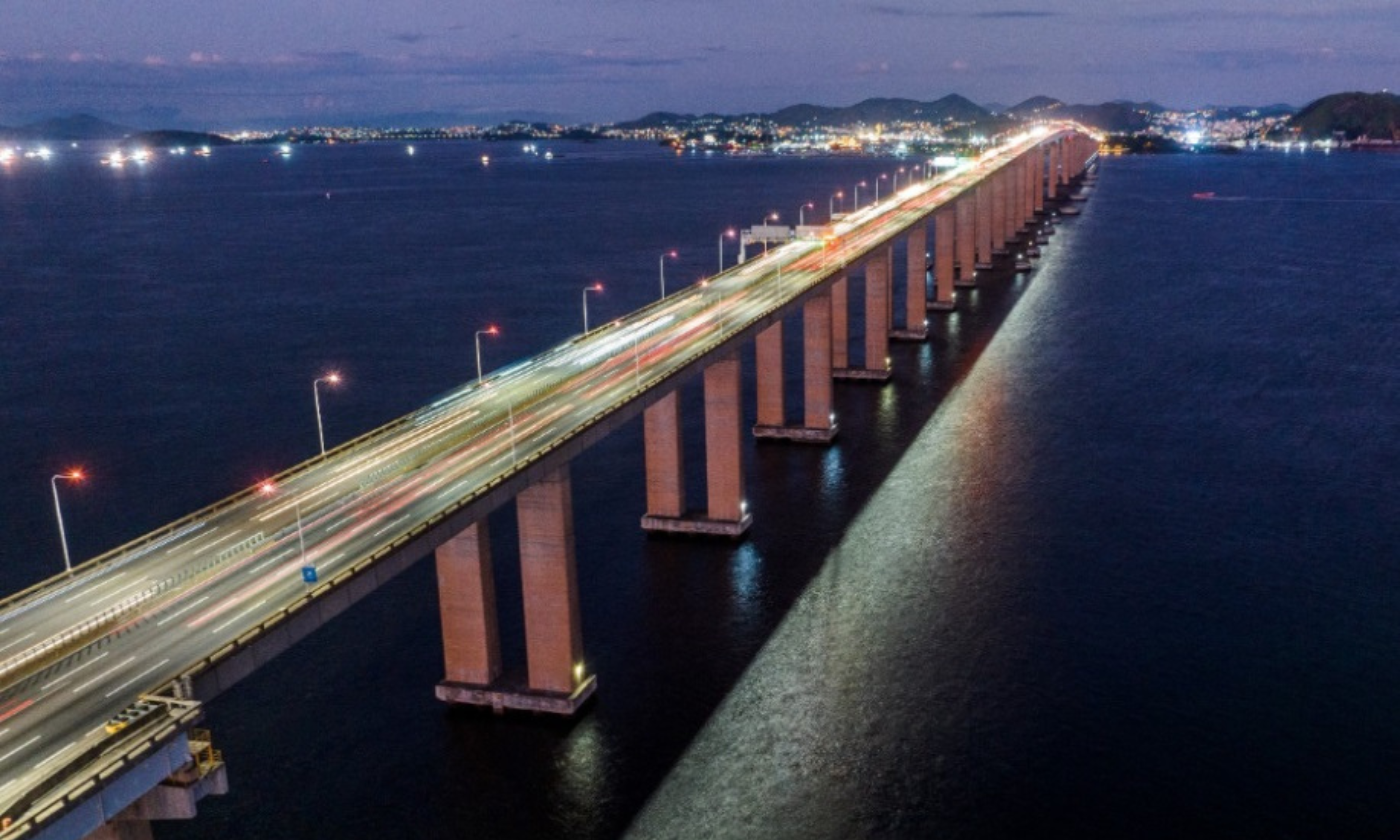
<point x="966" y="260"/>
<point x="944" y="227"/>
<point x="876" y="367"/>
<point x="915" y="291"/>
<point x="998" y="199"/>
<point x="1038" y="188"/>
<point x="556" y="680"/>
<point x="727" y="513"/>
<point x="983" y="193"/>
<point x="840" y="325"/>
<point x="818" y="421"/>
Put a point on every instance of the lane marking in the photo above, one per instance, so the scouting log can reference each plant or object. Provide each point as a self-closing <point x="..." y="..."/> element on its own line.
<point x="233" y="620"/>
<point x="104" y="675"/>
<point x="181" y="611"/>
<point x="119" y="688"/>
<point x="29" y="635"/>
<point x="68" y="676"/>
<point x="11" y="754"/>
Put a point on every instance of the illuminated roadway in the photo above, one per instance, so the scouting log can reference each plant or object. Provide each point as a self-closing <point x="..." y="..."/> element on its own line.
<point x="75" y="651"/>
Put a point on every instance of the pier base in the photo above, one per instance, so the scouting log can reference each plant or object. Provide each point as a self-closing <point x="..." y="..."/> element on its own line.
<point x="512" y="692"/>
<point x="920" y="334"/>
<point x="796" y="434"/>
<point x="863" y="374"/>
<point x="697" y="525"/>
<point x="945" y="305"/>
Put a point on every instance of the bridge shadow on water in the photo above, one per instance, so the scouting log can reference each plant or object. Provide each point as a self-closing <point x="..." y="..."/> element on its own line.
<point x="341" y="736"/>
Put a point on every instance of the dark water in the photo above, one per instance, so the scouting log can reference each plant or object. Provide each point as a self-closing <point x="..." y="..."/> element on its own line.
<point x="1114" y="554"/>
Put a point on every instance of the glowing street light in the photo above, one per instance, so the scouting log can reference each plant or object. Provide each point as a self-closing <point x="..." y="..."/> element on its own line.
<point x="596" y="287"/>
<point x="883" y="177"/>
<point x="731" y="234"/>
<point x="855" y="205"/>
<point x="71" y="475"/>
<point x="330" y="379"/>
<point x="491" y="331"/>
<point x="801" y="214"/>
<point x="662" y="263"/>
<point x="831" y="203"/>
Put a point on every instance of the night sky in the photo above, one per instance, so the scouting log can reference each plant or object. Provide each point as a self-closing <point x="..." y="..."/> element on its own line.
<point x="217" y="65"/>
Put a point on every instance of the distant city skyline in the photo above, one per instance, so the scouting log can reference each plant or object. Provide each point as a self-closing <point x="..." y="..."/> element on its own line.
<point x="158" y="62"/>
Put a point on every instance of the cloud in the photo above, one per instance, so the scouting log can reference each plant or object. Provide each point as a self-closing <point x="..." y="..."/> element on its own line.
<point x="409" y="37"/>
<point x="888" y="10"/>
<point x="1258" y="59"/>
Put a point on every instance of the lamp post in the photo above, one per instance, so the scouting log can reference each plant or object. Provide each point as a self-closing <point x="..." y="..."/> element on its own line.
<point x="71" y="475"/>
<point x="330" y="379"/>
<point x="662" y="264"/>
<point x="595" y="287"/>
<point x="801" y="214"/>
<point x="490" y="330"/>
<point x="882" y="177"/>
<point x="731" y="234"/>
<point x="855" y="205"/>
<point x="831" y="203"/>
<point x="267" y="488"/>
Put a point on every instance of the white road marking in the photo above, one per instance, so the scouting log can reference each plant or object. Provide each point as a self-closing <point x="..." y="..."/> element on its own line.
<point x="68" y="676"/>
<point x="104" y="675"/>
<point x="137" y="677"/>
<point x="12" y="753"/>
<point x="181" y="611"/>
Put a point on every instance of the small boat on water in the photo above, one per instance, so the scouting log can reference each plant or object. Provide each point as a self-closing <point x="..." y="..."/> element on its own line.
<point x="1069" y="210"/>
<point x="1203" y="196"/>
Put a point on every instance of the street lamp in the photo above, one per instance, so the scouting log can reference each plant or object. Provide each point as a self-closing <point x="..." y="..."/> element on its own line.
<point x="71" y="475"/>
<point x="662" y="264"/>
<point x="267" y="488"/>
<point x="596" y="287"/>
<point x="490" y="330"/>
<point x="801" y="214"/>
<point x="731" y="234"/>
<point x="855" y="205"/>
<point x="330" y="379"/>
<point x="882" y="177"/>
<point x="831" y="203"/>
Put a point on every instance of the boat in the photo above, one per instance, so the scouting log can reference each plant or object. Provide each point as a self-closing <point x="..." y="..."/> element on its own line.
<point x="1069" y="210"/>
<point x="1203" y="196"/>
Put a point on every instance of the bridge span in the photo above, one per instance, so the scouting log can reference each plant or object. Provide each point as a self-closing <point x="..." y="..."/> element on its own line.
<point x="102" y="672"/>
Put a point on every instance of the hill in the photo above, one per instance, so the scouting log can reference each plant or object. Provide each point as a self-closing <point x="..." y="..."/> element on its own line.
<point x="1353" y="114"/>
<point x="167" y="138"/>
<point x="77" y="127"/>
<point x="1033" y="107"/>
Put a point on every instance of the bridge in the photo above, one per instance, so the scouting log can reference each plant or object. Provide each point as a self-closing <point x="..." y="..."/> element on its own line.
<point x="103" y="671"/>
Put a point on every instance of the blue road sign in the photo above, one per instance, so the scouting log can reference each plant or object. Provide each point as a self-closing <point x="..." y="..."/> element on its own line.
<point x="308" y="574"/>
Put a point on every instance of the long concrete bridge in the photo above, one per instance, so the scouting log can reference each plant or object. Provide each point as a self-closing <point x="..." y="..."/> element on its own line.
<point x="103" y="672"/>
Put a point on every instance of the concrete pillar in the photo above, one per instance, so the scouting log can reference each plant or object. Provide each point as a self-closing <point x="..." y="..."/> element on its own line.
<point x="1038" y="171"/>
<point x="770" y="376"/>
<point x="915" y="291"/>
<point x="816" y="364"/>
<point x="665" y="457"/>
<point x="840" y="324"/>
<point x="877" y="317"/>
<point x="1052" y="172"/>
<point x="984" y="225"/>
<point x="1065" y="155"/>
<point x="944" y="225"/>
<point x="818" y="425"/>
<point x="724" y="468"/>
<point x="549" y="584"/>
<point x="1012" y="201"/>
<point x="966" y="253"/>
<point x="998" y="198"/>
<point x="467" y="603"/>
<point x="1028" y="161"/>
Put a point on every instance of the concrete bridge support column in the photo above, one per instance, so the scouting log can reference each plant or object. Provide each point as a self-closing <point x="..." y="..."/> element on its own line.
<point x="1011" y="195"/>
<point x="840" y="325"/>
<point x="1038" y="173"/>
<point x="769" y="346"/>
<point x="1066" y="156"/>
<point x="915" y="294"/>
<point x="467" y="603"/>
<point x="1028" y="188"/>
<point x="998" y="200"/>
<point x="555" y="679"/>
<point x="966" y="252"/>
<point x="665" y="459"/>
<point x="549" y="583"/>
<point x="944" y="227"/>
<point x="877" y="321"/>
<point x="1052" y="171"/>
<point x="984" y="226"/>
<point x="818" y="421"/>
<point x="727" y="513"/>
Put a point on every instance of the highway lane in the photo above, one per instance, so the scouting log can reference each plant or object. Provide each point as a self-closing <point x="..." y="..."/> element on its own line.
<point x="138" y="618"/>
